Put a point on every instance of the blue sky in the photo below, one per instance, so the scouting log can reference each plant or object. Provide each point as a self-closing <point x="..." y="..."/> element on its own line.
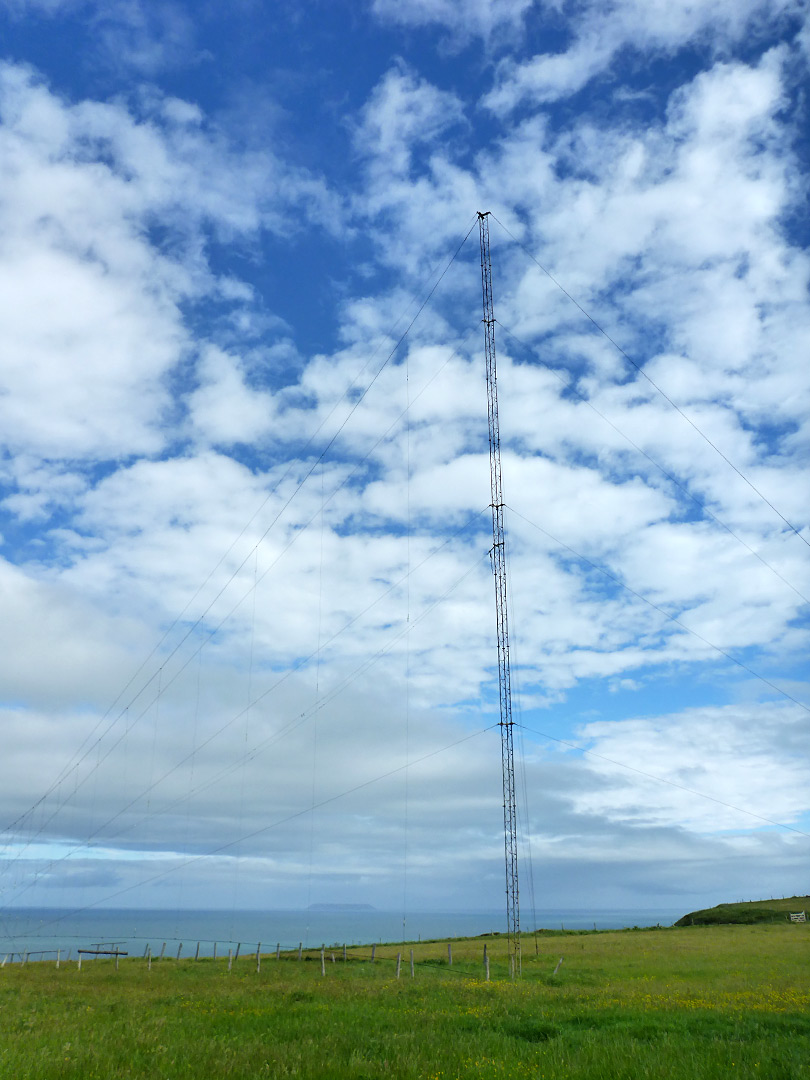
<point x="248" y="612"/>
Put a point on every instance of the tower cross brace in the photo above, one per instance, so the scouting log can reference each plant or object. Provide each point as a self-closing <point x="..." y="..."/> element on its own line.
<point x="498" y="555"/>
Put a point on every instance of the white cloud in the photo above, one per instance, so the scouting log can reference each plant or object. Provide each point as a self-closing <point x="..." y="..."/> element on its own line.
<point x="128" y="34"/>
<point x="147" y="37"/>
<point x="603" y="29"/>
<point x="62" y="651"/>
<point x="49" y="7"/>
<point x="747" y="758"/>
<point x="464" y="18"/>
<point x="404" y="114"/>
<point x="83" y="185"/>
<point x="223" y="408"/>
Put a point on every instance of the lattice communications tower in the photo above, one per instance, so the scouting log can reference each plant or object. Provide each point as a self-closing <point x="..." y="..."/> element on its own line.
<point x="499" y="571"/>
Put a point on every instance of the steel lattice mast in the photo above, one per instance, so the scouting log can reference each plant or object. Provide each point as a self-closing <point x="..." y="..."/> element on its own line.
<point x="499" y="571"/>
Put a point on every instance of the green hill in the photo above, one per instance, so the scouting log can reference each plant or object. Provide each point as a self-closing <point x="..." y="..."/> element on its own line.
<point x="753" y="911"/>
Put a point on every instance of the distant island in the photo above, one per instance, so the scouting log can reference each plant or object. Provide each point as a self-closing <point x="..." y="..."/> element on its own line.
<point x="341" y="907"/>
<point x="748" y="912"/>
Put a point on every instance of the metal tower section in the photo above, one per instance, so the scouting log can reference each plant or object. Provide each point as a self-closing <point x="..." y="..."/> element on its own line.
<point x="499" y="570"/>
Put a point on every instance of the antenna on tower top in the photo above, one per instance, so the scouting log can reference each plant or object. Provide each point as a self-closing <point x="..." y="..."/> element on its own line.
<point x="499" y="570"/>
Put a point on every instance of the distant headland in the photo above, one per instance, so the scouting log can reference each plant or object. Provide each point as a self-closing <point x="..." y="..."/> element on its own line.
<point x="749" y="912"/>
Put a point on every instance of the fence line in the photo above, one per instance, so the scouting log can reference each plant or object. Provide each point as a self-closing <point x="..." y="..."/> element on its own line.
<point x="360" y="954"/>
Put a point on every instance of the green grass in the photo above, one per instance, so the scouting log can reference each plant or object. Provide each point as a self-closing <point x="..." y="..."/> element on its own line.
<point x="746" y="912"/>
<point x="678" y="1003"/>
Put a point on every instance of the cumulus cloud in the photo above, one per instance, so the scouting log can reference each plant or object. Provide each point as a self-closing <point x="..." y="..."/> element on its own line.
<point x="83" y="186"/>
<point x="404" y="112"/>
<point x="748" y="760"/>
<point x="603" y="30"/>
<point x="223" y="407"/>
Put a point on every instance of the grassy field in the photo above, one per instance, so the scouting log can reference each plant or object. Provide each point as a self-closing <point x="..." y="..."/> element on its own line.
<point x="676" y="1003"/>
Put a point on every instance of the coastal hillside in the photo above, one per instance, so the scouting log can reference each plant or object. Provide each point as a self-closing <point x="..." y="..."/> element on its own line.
<point x="752" y="911"/>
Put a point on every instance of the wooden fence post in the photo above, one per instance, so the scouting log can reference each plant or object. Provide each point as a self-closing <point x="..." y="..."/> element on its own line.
<point x="148" y="959"/>
<point x="373" y="952"/>
<point x="4" y="960"/>
<point x="79" y="968"/>
<point x="116" y="959"/>
<point x="238" y="947"/>
<point x="215" y="950"/>
<point x="486" y="966"/>
<point x="399" y="962"/>
<point x="163" y="950"/>
<point x="323" y="962"/>
<point x="58" y="958"/>
<point x="300" y="947"/>
<point x="559" y="965"/>
<point x="179" y="949"/>
<point x="344" y="952"/>
<point x="197" y="953"/>
<point x="278" y="950"/>
<point x="258" y="957"/>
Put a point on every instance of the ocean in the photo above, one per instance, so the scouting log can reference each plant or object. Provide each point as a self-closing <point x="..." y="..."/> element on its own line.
<point x="40" y="932"/>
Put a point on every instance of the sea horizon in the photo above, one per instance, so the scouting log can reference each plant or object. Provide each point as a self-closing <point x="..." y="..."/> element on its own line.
<point x="42" y="931"/>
